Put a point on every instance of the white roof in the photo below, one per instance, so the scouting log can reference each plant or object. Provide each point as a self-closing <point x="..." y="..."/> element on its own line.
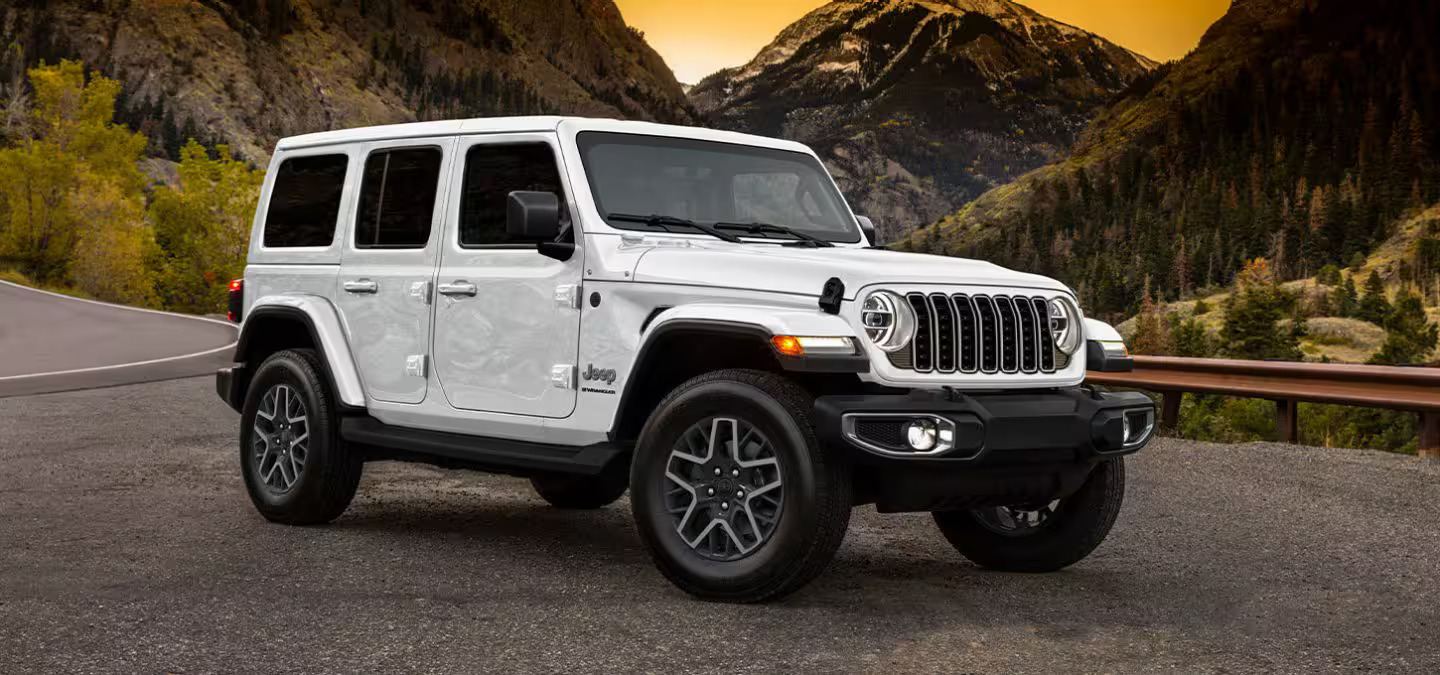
<point x="501" y="125"/>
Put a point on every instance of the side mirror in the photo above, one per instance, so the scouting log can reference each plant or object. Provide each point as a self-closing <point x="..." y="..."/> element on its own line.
<point x="535" y="216"/>
<point x="868" y="229"/>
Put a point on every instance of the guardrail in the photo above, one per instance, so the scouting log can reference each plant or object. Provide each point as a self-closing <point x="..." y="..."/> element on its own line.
<point x="1288" y="384"/>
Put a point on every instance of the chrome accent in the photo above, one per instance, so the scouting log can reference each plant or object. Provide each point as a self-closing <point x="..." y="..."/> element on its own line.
<point x="980" y="333"/>
<point x="946" y="443"/>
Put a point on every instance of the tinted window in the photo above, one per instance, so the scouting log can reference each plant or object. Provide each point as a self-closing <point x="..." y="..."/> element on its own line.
<point x="711" y="182"/>
<point x="397" y="198"/>
<point x="305" y="201"/>
<point x="492" y="172"/>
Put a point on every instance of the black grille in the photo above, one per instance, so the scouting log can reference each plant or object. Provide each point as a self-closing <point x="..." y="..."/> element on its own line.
<point x="979" y="333"/>
<point x="886" y="432"/>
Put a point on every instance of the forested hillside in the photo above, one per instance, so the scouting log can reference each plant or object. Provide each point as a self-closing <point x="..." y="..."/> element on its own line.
<point x="248" y="72"/>
<point x="918" y="107"/>
<point x="1302" y="131"/>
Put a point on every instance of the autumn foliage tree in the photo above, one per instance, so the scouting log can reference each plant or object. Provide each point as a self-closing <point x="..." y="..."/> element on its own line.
<point x="71" y="192"/>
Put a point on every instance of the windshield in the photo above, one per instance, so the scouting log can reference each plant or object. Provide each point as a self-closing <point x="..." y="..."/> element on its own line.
<point x="709" y="183"/>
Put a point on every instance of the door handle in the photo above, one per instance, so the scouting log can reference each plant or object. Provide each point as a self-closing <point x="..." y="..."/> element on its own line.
<point x="361" y="286"/>
<point x="460" y="287"/>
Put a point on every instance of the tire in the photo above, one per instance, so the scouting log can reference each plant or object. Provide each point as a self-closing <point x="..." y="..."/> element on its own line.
<point x="581" y="492"/>
<point x="322" y="479"/>
<point x="782" y="532"/>
<point x="1076" y="527"/>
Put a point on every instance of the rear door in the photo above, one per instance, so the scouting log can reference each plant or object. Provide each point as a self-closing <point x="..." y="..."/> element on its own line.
<point x="507" y="321"/>
<point x="387" y="268"/>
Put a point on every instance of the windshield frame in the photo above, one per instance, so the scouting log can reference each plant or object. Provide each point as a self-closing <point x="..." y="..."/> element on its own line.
<point x="587" y="139"/>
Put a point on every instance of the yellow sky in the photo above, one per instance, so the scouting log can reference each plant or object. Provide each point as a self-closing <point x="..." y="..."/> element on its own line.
<point x="699" y="37"/>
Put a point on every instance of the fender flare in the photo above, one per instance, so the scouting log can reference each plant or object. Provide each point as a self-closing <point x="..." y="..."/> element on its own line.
<point x="1099" y="330"/>
<point x="321" y="320"/>
<point x="758" y="322"/>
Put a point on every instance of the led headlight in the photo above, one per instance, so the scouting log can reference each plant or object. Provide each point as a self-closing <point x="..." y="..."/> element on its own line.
<point x="888" y="320"/>
<point x="1065" y="325"/>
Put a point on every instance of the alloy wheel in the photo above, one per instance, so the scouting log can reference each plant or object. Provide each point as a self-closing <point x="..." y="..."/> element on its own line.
<point x="724" y="490"/>
<point x="1016" y="521"/>
<point x="282" y="439"/>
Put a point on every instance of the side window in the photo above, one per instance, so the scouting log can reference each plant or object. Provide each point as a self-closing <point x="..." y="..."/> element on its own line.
<point x="397" y="198"/>
<point x="492" y="172"/>
<point x="305" y="201"/>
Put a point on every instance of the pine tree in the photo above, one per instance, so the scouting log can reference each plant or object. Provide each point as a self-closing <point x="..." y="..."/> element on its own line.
<point x="1410" y="337"/>
<point x="1375" y="306"/>
<point x="1344" y="299"/>
<point x="1152" y="330"/>
<point x="1253" y="316"/>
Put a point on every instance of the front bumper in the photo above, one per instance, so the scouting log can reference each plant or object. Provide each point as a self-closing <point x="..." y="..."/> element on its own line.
<point x="1004" y="447"/>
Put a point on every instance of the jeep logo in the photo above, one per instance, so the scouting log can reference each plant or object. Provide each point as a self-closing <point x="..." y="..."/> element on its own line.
<point x="593" y="374"/>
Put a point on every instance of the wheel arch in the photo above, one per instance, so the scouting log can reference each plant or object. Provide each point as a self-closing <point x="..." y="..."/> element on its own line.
<point x="680" y="343"/>
<point x="276" y="323"/>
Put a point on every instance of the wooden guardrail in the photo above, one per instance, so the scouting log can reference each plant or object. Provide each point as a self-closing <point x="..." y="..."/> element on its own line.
<point x="1287" y="384"/>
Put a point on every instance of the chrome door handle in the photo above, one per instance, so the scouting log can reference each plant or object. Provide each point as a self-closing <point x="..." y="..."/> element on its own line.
<point x="461" y="287"/>
<point x="361" y="286"/>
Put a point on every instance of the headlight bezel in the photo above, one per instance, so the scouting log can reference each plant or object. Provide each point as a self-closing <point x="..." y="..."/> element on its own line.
<point x="899" y="332"/>
<point x="1068" y="328"/>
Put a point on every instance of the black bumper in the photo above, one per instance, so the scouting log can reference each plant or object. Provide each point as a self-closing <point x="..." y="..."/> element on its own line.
<point x="230" y="385"/>
<point x="1008" y="447"/>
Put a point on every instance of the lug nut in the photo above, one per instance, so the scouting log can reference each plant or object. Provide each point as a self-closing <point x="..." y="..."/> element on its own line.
<point x="740" y="493"/>
<point x="717" y="470"/>
<point x="710" y="492"/>
<point x="724" y="505"/>
<point x="735" y="473"/>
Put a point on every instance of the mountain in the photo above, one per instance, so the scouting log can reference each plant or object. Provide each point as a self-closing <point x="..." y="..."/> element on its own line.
<point x="249" y="72"/>
<point x="1303" y="131"/>
<point x="918" y="106"/>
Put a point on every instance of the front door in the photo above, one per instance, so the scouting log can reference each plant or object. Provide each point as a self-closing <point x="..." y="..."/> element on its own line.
<point x="387" y="270"/>
<point x="507" y="322"/>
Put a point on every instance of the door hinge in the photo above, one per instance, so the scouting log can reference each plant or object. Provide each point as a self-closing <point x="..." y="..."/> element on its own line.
<point x="416" y="365"/>
<point x="567" y="296"/>
<point x="562" y="376"/>
<point x="423" y="290"/>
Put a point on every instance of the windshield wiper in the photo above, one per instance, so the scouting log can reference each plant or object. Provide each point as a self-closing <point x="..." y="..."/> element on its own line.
<point x="668" y="221"/>
<point x="764" y="228"/>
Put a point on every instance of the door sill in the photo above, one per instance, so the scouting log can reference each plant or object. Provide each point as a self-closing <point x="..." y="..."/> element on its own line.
<point x="497" y="455"/>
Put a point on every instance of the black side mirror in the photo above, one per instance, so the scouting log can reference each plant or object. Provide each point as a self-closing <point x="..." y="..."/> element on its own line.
<point x="535" y="216"/>
<point x="868" y="229"/>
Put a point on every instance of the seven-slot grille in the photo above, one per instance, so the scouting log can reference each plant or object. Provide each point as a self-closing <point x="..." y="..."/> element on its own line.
<point x="979" y="334"/>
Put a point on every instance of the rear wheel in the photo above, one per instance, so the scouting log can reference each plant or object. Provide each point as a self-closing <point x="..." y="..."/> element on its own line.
<point x="733" y="496"/>
<point x="295" y="466"/>
<point x="1040" y="537"/>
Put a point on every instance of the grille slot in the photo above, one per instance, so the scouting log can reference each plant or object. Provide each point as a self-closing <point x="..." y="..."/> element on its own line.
<point x="979" y="334"/>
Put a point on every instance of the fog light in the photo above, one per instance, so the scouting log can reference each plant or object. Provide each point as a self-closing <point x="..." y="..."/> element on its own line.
<point x="922" y="434"/>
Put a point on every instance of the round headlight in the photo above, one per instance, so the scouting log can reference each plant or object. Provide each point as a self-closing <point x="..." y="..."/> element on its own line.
<point x="1065" y="325"/>
<point x="888" y="320"/>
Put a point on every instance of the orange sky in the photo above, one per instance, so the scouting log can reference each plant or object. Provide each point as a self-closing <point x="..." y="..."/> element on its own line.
<point x="699" y="37"/>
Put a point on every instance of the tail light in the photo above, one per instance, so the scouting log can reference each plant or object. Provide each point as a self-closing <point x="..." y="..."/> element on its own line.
<point x="237" y="300"/>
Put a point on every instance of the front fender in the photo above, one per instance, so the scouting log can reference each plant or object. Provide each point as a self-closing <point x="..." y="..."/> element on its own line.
<point x="772" y="320"/>
<point x="320" y="317"/>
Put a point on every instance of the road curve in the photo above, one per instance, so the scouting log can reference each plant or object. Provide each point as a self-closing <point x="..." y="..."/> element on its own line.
<point x="51" y="342"/>
<point x="127" y="544"/>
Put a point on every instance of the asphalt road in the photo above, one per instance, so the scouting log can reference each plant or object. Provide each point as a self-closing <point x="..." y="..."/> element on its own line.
<point x="51" y="342"/>
<point x="127" y="544"/>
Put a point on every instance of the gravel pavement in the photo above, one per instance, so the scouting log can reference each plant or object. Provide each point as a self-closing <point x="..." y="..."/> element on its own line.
<point x="127" y="544"/>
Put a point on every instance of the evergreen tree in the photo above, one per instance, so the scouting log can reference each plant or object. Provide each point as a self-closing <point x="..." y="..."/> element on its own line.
<point x="1344" y="299"/>
<point x="1253" y="316"/>
<point x="1329" y="275"/>
<point x="1375" y="306"/>
<point x="1192" y="339"/>
<point x="1410" y="337"/>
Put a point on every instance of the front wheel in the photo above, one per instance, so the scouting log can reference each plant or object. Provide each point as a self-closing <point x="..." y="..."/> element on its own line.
<point x="1040" y="537"/>
<point x="734" y="497"/>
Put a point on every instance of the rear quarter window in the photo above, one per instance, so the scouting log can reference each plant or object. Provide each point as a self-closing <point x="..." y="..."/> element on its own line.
<point x="305" y="201"/>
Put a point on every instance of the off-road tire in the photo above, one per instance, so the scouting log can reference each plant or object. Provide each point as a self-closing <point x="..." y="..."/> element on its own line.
<point x="816" y="503"/>
<point x="1077" y="527"/>
<point x="581" y="492"/>
<point x="331" y="472"/>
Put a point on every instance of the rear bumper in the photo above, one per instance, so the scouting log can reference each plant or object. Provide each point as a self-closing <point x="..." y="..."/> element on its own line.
<point x="230" y="386"/>
<point x="1003" y="448"/>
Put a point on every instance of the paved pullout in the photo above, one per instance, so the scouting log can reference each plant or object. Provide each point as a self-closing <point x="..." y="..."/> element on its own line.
<point x="127" y="544"/>
<point x="51" y="342"/>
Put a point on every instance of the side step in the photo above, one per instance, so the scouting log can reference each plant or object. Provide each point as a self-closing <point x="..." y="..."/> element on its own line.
<point x="499" y="455"/>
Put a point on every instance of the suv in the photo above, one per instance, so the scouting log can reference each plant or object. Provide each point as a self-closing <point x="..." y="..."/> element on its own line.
<point x="693" y="315"/>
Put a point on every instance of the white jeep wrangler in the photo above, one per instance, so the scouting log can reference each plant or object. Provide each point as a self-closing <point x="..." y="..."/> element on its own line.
<point x="693" y="315"/>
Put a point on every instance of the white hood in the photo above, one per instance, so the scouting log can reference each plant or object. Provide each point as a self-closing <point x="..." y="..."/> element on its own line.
<point x="779" y="269"/>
